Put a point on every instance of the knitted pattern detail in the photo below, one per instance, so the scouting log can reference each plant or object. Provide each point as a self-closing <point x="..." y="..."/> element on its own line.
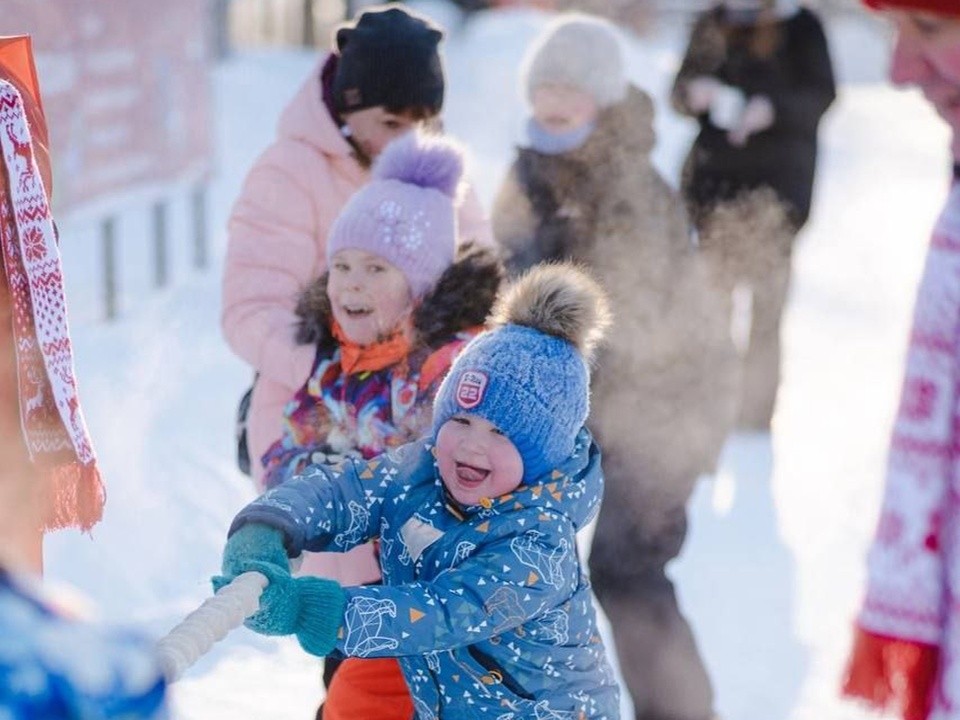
<point x="53" y="425"/>
<point x="913" y="569"/>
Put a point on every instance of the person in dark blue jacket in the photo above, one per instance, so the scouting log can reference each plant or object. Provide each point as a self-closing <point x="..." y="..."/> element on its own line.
<point x="485" y="601"/>
<point x="59" y="668"/>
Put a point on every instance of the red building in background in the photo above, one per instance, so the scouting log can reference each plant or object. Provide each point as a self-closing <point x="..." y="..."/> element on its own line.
<point x="126" y="91"/>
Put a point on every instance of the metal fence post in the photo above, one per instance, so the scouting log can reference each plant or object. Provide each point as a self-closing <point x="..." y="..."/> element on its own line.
<point x="220" y="14"/>
<point x="199" y="203"/>
<point x="108" y="234"/>
<point x="160" y="257"/>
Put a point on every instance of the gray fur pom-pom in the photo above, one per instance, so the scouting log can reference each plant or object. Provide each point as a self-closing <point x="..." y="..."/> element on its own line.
<point x="560" y="299"/>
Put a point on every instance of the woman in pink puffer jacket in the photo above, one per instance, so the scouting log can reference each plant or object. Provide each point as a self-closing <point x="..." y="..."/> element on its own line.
<point x="384" y="78"/>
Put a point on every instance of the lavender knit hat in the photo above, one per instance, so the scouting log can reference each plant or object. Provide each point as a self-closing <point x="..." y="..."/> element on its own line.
<point x="406" y="213"/>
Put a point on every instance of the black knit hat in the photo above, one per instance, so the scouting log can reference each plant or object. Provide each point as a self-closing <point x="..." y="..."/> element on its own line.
<point x="388" y="57"/>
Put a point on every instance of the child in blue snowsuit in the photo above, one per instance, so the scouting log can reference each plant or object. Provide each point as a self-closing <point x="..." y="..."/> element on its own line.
<point x="55" y="668"/>
<point x="484" y="602"/>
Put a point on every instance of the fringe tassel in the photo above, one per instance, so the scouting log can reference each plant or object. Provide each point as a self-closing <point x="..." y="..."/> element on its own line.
<point x="74" y="496"/>
<point x="892" y="674"/>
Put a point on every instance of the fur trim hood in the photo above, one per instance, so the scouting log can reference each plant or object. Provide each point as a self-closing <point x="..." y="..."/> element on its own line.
<point x="623" y="130"/>
<point x="462" y="298"/>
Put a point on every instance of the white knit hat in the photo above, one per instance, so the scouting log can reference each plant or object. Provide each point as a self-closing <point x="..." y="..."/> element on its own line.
<point x="579" y="50"/>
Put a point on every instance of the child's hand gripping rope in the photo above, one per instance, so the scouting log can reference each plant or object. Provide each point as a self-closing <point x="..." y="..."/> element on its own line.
<point x="256" y="588"/>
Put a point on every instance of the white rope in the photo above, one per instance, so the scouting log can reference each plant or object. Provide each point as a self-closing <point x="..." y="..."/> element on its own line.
<point x="210" y="622"/>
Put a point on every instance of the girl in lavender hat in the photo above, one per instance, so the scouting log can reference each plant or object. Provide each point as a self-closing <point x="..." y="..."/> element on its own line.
<point x="397" y="303"/>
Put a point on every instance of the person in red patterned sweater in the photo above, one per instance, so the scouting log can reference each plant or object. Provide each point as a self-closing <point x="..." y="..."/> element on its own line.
<point x="48" y="474"/>
<point x="53" y="664"/>
<point x="906" y="650"/>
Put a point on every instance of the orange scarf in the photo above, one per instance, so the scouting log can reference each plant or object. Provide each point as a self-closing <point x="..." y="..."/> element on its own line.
<point x="356" y="358"/>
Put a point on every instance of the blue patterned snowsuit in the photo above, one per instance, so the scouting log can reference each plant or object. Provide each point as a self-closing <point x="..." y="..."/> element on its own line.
<point x="486" y="608"/>
<point x="57" y="669"/>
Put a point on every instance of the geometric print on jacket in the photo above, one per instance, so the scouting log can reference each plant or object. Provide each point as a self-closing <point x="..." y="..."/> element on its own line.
<point x="59" y="669"/>
<point x="486" y="607"/>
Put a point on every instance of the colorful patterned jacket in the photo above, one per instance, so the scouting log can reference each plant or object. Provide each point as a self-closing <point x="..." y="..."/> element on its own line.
<point x="486" y="607"/>
<point x="57" y="669"/>
<point x="338" y="413"/>
<point x="344" y="412"/>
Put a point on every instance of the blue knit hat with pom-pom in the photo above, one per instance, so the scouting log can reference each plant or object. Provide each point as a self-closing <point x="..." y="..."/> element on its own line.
<point x="406" y="213"/>
<point x="529" y="375"/>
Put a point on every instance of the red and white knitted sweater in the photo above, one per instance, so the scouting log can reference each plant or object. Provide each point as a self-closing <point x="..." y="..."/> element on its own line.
<point x="906" y="656"/>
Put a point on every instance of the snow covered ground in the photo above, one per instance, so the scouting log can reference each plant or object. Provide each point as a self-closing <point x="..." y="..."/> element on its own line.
<point x="773" y="568"/>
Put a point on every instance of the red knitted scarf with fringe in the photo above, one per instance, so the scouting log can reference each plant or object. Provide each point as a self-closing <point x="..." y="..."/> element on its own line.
<point x="53" y="427"/>
<point x="906" y="655"/>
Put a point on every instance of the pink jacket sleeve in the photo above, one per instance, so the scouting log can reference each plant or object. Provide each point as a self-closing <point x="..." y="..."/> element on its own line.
<point x="273" y="251"/>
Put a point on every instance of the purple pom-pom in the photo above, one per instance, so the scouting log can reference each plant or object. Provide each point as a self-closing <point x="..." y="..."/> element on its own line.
<point x="428" y="162"/>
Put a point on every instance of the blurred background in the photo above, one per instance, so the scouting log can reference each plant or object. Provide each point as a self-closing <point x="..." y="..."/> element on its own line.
<point x="128" y="93"/>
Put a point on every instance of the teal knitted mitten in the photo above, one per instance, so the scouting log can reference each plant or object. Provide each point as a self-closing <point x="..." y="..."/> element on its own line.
<point x="254" y="543"/>
<point x="322" y="603"/>
<point x="279" y="603"/>
<point x="311" y="607"/>
<point x="260" y="547"/>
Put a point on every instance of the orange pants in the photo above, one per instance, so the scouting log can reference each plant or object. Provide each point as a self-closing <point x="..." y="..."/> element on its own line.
<point x="368" y="688"/>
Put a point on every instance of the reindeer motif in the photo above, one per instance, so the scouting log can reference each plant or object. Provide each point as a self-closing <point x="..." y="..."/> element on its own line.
<point x="35" y="401"/>
<point x="22" y="159"/>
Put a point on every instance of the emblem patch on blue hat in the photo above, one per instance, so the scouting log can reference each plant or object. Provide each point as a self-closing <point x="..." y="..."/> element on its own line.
<point x="470" y="389"/>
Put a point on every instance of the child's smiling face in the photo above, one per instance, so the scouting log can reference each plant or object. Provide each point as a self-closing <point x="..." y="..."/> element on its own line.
<point x="561" y="108"/>
<point x="368" y="295"/>
<point x="476" y="460"/>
